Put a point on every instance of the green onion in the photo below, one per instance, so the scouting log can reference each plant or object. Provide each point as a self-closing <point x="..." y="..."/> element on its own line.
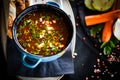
<point x="24" y="44"/>
<point x="47" y="18"/>
<point x="21" y="27"/>
<point x="28" y="44"/>
<point x="42" y="16"/>
<point x="17" y="34"/>
<point x="25" y="23"/>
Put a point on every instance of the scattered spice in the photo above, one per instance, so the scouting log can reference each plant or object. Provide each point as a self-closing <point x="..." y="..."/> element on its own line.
<point x="77" y="24"/>
<point x="102" y="70"/>
<point x="84" y="38"/>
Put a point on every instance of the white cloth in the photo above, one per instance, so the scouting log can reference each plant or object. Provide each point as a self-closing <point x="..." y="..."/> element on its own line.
<point x="37" y="78"/>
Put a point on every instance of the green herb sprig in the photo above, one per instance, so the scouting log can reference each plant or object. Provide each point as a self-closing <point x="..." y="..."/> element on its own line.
<point x="106" y="47"/>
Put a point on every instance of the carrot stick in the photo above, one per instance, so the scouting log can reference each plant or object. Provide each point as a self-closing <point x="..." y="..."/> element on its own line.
<point x="105" y="17"/>
<point x="101" y="18"/>
<point x="107" y="31"/>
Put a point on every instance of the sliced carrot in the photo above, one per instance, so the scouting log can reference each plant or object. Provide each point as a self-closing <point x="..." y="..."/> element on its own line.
<point x="107" y="31"/>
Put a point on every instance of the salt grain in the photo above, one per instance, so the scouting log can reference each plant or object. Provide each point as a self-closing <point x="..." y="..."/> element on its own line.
<point x="94" y="65"/>
<point x="100" y="53"/>
<point x="86" y="78"/>
<point x="112" y="75"/>
<point x="77" y="24"/>
<point x="92" y="76"/>
<point x="84" y="38"/>
<point x="97" y="70"/>
<point x="98" y="77"/>
<point x="98" y="60"/>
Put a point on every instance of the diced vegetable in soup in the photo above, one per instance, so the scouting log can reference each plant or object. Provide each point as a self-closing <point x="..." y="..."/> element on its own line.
<point x="42" y="33"/>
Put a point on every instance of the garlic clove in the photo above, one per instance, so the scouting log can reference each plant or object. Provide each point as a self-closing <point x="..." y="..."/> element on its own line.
<point x="116" y="29"/>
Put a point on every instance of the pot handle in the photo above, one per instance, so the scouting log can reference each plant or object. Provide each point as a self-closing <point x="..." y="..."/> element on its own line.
<point x="28" y="64"/>
<point x="53" y="4"/>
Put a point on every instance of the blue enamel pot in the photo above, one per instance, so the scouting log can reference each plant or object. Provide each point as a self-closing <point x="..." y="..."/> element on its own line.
<point x="35" y="60"/>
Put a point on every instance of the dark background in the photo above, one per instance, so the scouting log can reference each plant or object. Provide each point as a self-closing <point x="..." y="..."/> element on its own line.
<point x="87" y="53"/>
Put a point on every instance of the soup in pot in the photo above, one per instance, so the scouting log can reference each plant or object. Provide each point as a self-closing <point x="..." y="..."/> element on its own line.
<point x="42" y="33"/>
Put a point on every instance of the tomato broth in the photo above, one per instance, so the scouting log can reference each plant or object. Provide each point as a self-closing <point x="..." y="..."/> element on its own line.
<point x="42" y="33"/>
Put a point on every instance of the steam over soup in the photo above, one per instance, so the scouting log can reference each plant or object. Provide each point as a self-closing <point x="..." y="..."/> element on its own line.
<point x="42" y="33"/>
